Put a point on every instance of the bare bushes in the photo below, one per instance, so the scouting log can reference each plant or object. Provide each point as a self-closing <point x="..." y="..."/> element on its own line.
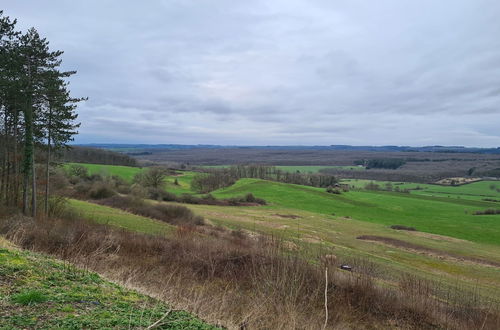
<point x="487" y="212"/>
<point x="245" y="200"/>
<point x="173" y="214"/>
<point x="401" y="227"/>
<point x="245" y="282"/>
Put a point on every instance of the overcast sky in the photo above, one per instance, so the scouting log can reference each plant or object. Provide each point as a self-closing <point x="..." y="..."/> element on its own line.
<point x="279" y="72"/>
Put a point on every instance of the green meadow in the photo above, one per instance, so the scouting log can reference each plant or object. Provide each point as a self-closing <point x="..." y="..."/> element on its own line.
<point x="477" y="190"/>
<point x="312" y="219"/>
<point x="119" y="218"/>
<point x="439" y="215"/>
<point x="125" y="172"/>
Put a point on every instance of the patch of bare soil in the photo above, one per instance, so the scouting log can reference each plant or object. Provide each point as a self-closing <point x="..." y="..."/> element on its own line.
<point x="437" y="237"/>
<point x="427" y="250"/>
<point x="311" y="239"/>
<point x="287" y="216"/>
<point x="456" y="181"/>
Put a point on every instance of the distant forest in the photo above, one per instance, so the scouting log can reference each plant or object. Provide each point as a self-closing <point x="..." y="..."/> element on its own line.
<point x="95" y="156"/>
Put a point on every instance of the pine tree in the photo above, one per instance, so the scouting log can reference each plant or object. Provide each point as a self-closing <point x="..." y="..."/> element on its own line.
<point x="9" y="79"/>
<point x="35" y="107"/>
<point x="58" y="119"/>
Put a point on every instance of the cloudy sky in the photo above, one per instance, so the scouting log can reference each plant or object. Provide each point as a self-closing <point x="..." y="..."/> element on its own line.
<point x="279" y="72"/>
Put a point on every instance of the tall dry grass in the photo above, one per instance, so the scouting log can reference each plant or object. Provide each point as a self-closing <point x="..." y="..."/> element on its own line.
<point x="246" y="283"/>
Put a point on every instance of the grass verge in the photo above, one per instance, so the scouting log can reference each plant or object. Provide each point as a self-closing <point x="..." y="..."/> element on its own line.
<point x="40" y="292"/>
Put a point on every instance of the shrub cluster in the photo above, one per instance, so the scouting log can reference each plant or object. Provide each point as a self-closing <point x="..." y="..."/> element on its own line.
<point x="487" y="212"/>
<point x="173" y="214"/>
<point x="281" y="290"/>
<point x="333" y="190"/>
<point x="401" y="227"/>
<point x="248" y="199"/>
<point x="94" y="186"/>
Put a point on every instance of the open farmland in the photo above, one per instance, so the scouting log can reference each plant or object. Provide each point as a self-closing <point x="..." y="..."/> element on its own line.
<point x="477" y="190"/>
<point x="450" y="243"/>
<point x="125" y="172"/>
<point x="450" y="261"/>
<point x="119" y="218"/>
<point x="438" y="215"/>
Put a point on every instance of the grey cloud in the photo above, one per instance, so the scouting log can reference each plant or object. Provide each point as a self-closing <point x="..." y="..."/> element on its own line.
<point x="279" y="72"/>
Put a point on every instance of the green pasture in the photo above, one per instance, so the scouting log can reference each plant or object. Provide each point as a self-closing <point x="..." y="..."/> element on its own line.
<point x="314" y="232"/>
<point x="125" y="172"/>
<point x="438" y="215"/>
<point x="184" y="179"/>
<point x="119" y="218"/>
<point x="476" y="190"/>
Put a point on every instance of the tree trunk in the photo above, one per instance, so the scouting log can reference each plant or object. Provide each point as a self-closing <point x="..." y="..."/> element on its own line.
<point x="47" y="173"/>
<point x="16" y="160"/>
<point x="33" y="186"/>
<point x="3" y="186"/>
<point x="28" y="160"/>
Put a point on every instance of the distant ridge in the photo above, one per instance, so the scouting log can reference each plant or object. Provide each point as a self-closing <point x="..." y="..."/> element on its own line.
<point x="436" y="148"/>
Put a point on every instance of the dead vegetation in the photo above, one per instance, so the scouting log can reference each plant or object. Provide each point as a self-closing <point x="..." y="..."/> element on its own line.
<point x="401" y="227"/>
<point x="245" y="283"/>
<point x="427" y="250"/>
<point x="457" y="181"/>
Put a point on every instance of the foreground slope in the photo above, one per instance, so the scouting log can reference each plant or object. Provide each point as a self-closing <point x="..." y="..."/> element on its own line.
<point x="40" y="292"/>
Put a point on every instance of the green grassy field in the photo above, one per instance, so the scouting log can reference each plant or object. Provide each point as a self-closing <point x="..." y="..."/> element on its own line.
<point x="184" y="179"/>
<point x="476" y="190"/>
<point x="125" y="172"/>
<point x="444" y="216"/>
<point x="119" y="218"/>
<point x="310" y="217"/>
<point x="37" y="292"/>
<point x="311" y="230"/>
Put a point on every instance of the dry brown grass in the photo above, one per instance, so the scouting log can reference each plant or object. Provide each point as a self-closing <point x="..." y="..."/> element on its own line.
<point x="246" y="283"/>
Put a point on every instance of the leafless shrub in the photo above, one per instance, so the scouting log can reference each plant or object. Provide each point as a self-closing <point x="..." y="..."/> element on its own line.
<point x="174" y="214"/>
<point x="247" y="283"/>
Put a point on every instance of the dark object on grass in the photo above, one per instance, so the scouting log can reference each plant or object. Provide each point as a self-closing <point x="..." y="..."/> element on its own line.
<point x="487" y="212"/>
<point x="401" y="227"/>
<point x="346" y="267"/>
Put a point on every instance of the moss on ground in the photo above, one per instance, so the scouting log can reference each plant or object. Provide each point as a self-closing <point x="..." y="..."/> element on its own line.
<point x="42" y="293"/>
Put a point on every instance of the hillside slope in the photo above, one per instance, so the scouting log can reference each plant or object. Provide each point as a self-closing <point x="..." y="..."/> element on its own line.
<point x="438" y="215"/>
<point x="40" y="292"/>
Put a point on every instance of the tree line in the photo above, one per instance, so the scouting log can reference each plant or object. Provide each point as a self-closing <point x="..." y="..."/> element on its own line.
<point x="78" y="154"/>
<point x="213" y="179"/>
<point x="37" y="114"/>
<point x="388" y="163"/>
